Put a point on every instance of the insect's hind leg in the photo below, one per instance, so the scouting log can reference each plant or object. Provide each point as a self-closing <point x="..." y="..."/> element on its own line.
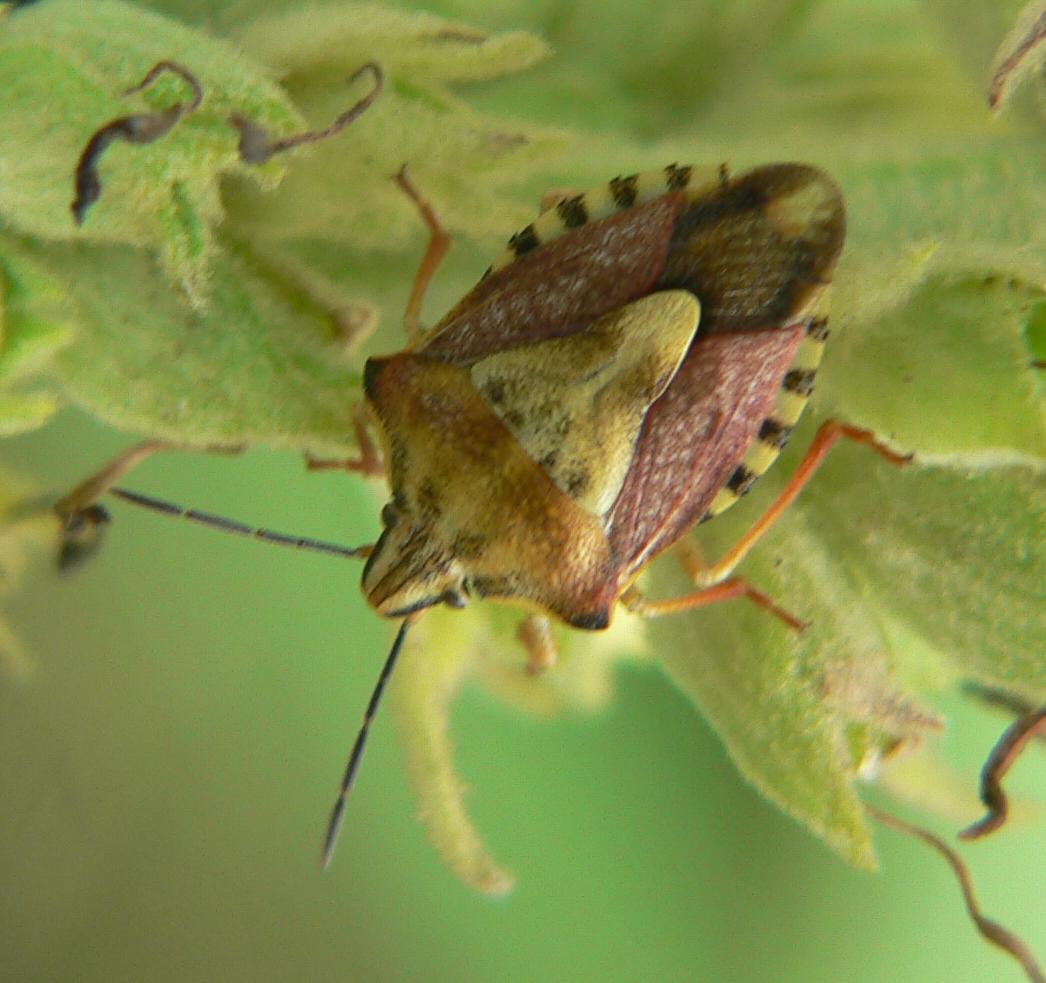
<point x="727" y="590"/>
<point x="714" y="582"/>
<point x="828" y="435"/>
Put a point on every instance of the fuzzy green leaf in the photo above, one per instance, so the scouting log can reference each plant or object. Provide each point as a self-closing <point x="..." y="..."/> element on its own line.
<point x="259" y="364"/>
<point x="63" y="67"/>
<point x="1020" y="57"/>
<point x="461" y="158"/>
<point x="447" y="649"/>
<point x="960" y="555"/>
<point x="954" y="373"/>
<point x="751" y="680"/>
<point x="35" y="325"/>
<point x="434" y="661"/>
<point x="973" y="208"/>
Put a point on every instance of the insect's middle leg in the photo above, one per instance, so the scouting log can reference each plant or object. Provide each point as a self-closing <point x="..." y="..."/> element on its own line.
<point x="535" y="632"/>
<point x="368" y="463"/>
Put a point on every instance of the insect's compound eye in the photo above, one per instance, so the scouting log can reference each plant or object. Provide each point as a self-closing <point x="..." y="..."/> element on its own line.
<point x="389" y="515"/>
<point x="454" y="598"/>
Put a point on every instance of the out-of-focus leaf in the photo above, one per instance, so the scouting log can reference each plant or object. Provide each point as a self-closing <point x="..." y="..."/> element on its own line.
<point x="26" y="527"/>
<point x="460" y="159"/>
<point x="433" y="664"/>
<point x="947" y="374"/>
<point x="36" y="323"/>
<point x="259" y="364"/>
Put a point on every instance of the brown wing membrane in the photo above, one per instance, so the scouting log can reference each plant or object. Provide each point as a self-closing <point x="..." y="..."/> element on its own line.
<point x="756" y="248"/>
<point x="563" y="286"/>
<point x="757" y="251"/>
<point x="693" y="438"/>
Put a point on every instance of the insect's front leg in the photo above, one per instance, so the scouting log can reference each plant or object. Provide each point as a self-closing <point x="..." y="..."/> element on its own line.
<point x="369" y="462"/>
<point x="85" y="495"/>
<point x="535" y="632"/>
<point x="82" y="519"/>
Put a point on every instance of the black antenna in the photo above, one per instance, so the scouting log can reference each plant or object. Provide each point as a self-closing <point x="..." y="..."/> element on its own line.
<point x="238" y="528"/>
<point x="338" y="812"/>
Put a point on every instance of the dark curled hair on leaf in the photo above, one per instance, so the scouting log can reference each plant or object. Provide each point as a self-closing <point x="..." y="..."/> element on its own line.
<point x="256" y="145"/>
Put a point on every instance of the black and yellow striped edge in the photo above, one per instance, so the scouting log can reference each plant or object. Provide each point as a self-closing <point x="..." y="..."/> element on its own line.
<point x="599" y="203"/>
<point x="796" y="389"/>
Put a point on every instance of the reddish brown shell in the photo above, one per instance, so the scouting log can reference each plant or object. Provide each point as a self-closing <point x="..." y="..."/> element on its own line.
<point x="757" y="251"/>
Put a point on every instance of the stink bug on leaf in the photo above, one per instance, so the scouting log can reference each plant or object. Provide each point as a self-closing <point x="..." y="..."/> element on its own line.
<point x="627" y="368"/>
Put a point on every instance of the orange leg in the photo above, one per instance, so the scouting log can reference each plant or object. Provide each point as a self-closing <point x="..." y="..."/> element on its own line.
<point x="369" y="461"/>
<point x="535" y="632"/>
<point x="714" y="582"/>
<point x="726" y="590"/>
<point x="829" y="434"/>
<point x="439" y="243"/>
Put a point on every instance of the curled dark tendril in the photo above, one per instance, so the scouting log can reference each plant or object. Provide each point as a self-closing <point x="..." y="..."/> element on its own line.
<point x="1001" y="699"/>
<point x="257" y="146"/>
<point x="1001" y="759"/>
<point x="990" y="930"/>
<point x="1033" y="37"/>
<point x="137" y="128"/>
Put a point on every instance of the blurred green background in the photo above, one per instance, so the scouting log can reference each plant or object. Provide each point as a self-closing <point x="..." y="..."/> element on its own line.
<point x="168" y="765"/>
<point x="168" y="768"/>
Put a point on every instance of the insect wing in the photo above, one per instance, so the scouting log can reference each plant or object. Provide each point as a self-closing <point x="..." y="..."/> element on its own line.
<point x="759" y="251"/>
<point x="560" y="286"/>
<point x="693" y="438"/>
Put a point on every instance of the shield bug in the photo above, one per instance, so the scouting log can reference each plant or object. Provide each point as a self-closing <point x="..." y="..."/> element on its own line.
<point x="626" y="369"/>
